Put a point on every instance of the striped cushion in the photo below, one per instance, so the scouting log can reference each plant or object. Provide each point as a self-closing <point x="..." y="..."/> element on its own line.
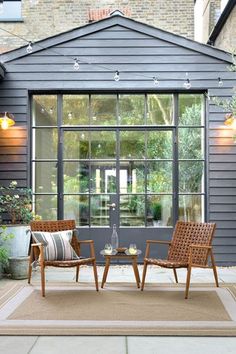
<point x="57" y="245"/>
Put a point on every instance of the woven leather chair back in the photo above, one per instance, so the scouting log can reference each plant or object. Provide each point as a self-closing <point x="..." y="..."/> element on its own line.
<point x="191" y="233"/>
<point x="57" y="225"/>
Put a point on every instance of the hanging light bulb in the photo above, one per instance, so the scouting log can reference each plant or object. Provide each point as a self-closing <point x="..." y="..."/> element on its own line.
<point x="1" y="7"/>
<point x="187" y="83"/>
<point x="117" y="76"/>
<point x="70" y="115"/>
<point x="29" y="48"/>
<point x="51" y="110"/>
<point x="155" y="81"/>
<point x="220" y="82"/>
<point x="6" y="120"/>
<point x="76" y="64"/>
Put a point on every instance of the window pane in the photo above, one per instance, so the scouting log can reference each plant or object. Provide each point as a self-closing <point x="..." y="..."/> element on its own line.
<point x="76" y="177"/>
<point x="191" y="109"/>
<point x="46" y="206"/>
<point x="159" y="145"/>
<point x="132" y="210"/>
<point x="191" y="208"/>
<point x="100" y="210"/>
<point x="103" y="177"/>
<point x="11" y="10"/>
<point x="76" y="145"/>
<point x="44" y="110"/>
<point x="45" y="144"/>
<point x="191" y="143"/>
<point x="77" y="208"/>
<point x="103" y="109"/>
<point x="132" y="145"/>
<point x="103" y="145"/>
<point x="132" y="177"/>
<point x="160" y="109"/>
<point x="76" y="109"/>
<point x="159" y="177"/>
<point x="45" y="177"/>
<point x="131" y="109"/>
<point x="159" y="210"/>
<point x="191" y="176"/>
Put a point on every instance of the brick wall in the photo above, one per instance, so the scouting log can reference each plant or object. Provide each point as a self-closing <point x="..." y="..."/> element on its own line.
<point x="47" y="18"/>
<point x="227" y="37"/>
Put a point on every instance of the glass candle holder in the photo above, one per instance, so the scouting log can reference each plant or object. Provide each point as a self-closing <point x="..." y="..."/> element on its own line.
<point x="108" y="248"/>
<point x="132" y="248"/>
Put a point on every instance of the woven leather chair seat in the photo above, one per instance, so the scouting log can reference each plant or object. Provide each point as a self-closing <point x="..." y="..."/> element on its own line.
<point x="72" y="263"/>
<point x="166" y="263"/>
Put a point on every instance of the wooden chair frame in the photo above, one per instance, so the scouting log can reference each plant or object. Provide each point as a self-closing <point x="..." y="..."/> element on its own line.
<point x="192" y="249"/>
<point x="37" y="249"/>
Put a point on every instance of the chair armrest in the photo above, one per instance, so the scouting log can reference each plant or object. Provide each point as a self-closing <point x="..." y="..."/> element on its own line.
<point x="157" y="241"/>
<point x="91" y="244"/>
<point x="36" y="244"/>
<point x="149" y="242"/>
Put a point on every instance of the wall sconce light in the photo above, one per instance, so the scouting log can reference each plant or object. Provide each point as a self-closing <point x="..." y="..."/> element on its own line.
<point x="6" y="120"/>
<point x="230" y="121"/>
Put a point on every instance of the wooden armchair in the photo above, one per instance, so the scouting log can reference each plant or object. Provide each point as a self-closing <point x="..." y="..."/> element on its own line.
<point x="37" y="250"/>
<point x="190" y="247"/>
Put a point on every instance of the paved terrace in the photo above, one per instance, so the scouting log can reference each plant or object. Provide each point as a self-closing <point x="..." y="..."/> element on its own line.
<point x="124" y="344"/>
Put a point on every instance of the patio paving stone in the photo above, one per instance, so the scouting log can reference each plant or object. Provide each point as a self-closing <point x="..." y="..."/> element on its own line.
<point x="17" y="344"/>
<point x="80" y="344"/>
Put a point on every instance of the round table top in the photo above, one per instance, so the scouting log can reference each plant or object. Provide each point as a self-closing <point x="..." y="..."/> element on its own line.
<point x="125" y="253"/>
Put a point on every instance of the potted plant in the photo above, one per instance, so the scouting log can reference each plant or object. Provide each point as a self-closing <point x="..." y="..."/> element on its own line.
<point x="156" y="214"/>
<point x="4" y="251"/>
<point x="15" y="203"/>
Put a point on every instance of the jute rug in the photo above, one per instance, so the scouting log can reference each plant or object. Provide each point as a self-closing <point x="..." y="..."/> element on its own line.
<point x="119" y="309"/>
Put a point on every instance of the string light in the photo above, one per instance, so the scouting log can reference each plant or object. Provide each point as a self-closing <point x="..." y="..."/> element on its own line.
<point x="29" y="48"/>
<point x="76" y="64"/>
<point x="220" y="82"/>
<point x="117" y="76"/>
<point x="187" y="83"/>
<point x="155" y="81"/>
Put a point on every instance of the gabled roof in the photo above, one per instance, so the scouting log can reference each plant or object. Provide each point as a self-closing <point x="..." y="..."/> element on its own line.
<point x="126" y="23"/>
<point x="221" y="21"/>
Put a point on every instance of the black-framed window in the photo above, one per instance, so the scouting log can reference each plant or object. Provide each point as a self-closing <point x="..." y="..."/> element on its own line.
<point x="10" y="10"/>
<point x="147" y="149"/>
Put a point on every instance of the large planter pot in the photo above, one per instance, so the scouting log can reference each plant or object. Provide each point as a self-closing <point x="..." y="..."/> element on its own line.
<point x="18" y="248"/>
<point x="19" y="245"/>
<point x="18" y="267"/>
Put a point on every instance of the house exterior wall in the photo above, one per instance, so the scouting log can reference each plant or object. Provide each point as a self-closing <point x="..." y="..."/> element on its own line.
<point x="210" y="14"/>
<point x="48" y="18"/>
<point x="135" y="50"/>
<point x="226" y="40"/>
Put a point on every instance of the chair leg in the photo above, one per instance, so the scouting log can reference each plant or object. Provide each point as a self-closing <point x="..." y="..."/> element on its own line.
<point x="95" y="274"/>
<point x="144" y="274"/>
<point x="77" y="274"/>
<point x="30" y="266"/>
<point x="43" y="279"/>
<point x="175" y="274"/>
<point x="214" y="269"/>
<point x="188" y="282"/>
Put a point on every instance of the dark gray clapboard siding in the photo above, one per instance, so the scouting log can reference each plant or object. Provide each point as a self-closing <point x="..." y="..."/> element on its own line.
<point x="134" y="49"/>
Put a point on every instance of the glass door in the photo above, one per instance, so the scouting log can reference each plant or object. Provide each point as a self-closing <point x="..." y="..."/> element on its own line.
<point x="117" y="176"/>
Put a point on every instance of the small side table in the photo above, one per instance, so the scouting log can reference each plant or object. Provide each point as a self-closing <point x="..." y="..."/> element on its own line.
<point x="119" y="255"/>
